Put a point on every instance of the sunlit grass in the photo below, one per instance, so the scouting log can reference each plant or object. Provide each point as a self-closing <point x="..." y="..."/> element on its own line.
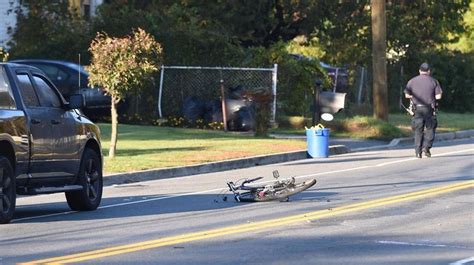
<point x="147" y="147"/>
<point x="368" y="128"/>
<point x="447" y="122"/>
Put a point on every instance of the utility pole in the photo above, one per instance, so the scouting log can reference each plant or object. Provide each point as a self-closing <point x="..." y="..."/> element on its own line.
<point x="379" y="59"/>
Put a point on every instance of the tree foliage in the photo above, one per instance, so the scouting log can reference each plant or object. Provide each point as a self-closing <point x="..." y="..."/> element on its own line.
<point x="190" y="39"/>
<point x="233" y="33"/>
<point x="49" y="29"/>
<point x="453" y="70"/>
<point x="296" y="78"/>
<point x="466" y="39"/>
<point x="3" y="55"/>
<point x="121" y="65"/>
<point x="415" y="27"/>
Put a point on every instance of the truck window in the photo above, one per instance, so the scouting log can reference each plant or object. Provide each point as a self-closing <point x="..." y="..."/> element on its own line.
<point x="6" y="96"/>
<point x="46" y="94"/>
<point x="27" y="92"/>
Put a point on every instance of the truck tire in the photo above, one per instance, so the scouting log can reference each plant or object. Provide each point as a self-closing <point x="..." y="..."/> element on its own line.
<point x="90" y="178"/>
<point x="7" y="191"/>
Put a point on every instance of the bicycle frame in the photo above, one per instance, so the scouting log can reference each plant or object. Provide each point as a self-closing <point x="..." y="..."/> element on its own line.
<point x="280" y="189"/>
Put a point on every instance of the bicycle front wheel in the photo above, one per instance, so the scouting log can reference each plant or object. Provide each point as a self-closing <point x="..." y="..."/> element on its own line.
<point x="284" y="193"/>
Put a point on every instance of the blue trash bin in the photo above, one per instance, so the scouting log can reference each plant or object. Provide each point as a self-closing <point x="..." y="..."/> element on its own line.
<point x="317" y="140"/>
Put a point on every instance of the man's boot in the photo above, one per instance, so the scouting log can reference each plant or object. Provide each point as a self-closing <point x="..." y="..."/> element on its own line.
<point x="427" y="152"/>
<point x="417" y="154"/>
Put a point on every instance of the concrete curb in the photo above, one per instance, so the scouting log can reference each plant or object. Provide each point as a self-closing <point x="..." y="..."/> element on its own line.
<point x="163" y="173"/>
<point x="410" y="140"/>
<point x="173" y="172"/>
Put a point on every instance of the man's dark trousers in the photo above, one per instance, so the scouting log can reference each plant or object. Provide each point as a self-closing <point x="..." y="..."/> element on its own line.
<point x="424" y="124"/>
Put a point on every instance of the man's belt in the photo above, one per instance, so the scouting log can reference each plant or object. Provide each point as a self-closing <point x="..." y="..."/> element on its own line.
<point x="423" y="105"/>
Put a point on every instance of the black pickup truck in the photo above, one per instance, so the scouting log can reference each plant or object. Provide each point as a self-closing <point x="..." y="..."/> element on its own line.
<point x="46" y="144"/>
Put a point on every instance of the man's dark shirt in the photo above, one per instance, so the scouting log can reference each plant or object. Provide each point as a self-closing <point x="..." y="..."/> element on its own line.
<point x="423" y="88"/>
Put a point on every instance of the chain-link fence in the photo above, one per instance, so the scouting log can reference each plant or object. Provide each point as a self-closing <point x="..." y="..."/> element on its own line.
<point x="182" y="86"/>
<point x="360" y="89"/>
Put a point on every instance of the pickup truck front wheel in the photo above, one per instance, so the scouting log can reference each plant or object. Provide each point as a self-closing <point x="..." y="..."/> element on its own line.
<point x="90" y="178"/>
<point x="7" y="191"/>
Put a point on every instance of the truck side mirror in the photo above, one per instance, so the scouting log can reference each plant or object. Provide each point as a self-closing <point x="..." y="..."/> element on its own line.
<point x="76" y="101"/>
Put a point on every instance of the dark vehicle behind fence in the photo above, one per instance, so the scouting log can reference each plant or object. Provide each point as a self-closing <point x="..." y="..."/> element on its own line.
<point x="46" y="144"/>
<point x="71" y="78"/>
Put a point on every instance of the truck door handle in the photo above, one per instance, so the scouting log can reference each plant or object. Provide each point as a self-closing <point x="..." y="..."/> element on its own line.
<point x="35" y="121"/>
<point x="55" y="122"/>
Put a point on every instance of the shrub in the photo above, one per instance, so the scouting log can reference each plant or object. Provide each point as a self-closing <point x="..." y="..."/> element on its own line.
<point x="366" y="127"/>
<point x="292" y="122"/>
<point x="296" y="78"/>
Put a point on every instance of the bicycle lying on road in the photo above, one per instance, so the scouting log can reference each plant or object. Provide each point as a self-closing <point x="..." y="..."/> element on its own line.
<point x="279" y="190"/>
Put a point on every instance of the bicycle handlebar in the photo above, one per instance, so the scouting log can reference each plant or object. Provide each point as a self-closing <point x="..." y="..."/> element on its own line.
<point x="251" y="180"/>
<point x="234" y="188"/>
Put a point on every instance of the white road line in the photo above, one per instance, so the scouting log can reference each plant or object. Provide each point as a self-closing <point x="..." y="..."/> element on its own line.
<point x="41" y="216"/>
<point x="117" y="205"/>
<point x="463" y="261"/>
<point x="419" y="244"/>
<point x="381" y="164"/>
<point x="221" y="189"/>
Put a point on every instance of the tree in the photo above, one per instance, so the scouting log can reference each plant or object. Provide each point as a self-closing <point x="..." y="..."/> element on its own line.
<point x="189" y="38"/>
<point x="217" y="32"/>
<point x="466" y="40"/>
<point x="379" y="60"/>
<point x="344" y="32"/>
<point x="121" y="65"/>
<point x="49" y="30"/>
<point x="415" y="30"/>
<point x="3" y="55"/>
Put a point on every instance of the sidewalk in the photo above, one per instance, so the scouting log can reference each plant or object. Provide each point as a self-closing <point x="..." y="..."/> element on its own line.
<point x="336" y="146"/>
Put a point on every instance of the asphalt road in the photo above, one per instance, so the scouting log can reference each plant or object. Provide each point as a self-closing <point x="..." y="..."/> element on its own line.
<point x="374" y="207"/>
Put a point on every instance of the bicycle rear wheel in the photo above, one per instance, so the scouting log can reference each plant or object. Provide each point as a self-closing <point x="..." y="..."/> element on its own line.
<point x="284" y="193"/>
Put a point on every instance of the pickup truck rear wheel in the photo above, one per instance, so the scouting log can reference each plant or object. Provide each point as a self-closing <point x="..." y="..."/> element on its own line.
<point x="7" y="191"/>
<point x="90" y="178"/>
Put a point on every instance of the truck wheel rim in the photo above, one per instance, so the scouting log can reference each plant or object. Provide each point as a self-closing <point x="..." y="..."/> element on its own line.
<point x="5" y="192"/>
<point x="92" y="177"/>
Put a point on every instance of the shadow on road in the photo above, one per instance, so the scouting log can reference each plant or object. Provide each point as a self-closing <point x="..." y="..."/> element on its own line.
<point x="155" y="205"/>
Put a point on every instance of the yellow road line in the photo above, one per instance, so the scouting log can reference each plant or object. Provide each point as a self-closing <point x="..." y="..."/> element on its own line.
<point x="166" y="241"/>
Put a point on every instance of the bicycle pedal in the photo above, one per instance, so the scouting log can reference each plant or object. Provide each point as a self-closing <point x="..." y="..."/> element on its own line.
<point x="276" y="174"/>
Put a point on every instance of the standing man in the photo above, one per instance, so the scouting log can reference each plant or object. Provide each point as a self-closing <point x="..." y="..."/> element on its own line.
<point x="423" y="90"/>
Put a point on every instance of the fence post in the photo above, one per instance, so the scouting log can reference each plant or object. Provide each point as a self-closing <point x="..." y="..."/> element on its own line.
<point x="224" y="114"/>
<point x="335" y="80"/>
<point x="160" y="91"/>
<point x="401" y="88"/>
<point x="274" y="90"/>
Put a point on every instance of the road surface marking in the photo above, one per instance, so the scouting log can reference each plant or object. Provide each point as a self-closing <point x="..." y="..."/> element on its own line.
<point x="463" y="261"/>
<point x="419" y="244"/>
<point x="248" y="227"/>
<point x="221" y="189"/>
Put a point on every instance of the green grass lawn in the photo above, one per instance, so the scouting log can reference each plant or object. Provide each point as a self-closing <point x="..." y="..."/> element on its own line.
<point x="147" y="147"/>
<point x="447" y="122"/>
<point x="400" y="123"/>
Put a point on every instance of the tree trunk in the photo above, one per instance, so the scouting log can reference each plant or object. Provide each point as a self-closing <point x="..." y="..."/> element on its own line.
<point x="113" y="136"/>
<point x="379" y="60"/>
